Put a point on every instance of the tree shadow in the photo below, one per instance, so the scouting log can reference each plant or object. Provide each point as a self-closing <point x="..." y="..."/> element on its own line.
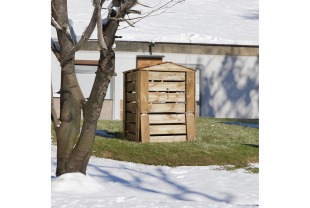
<point x="116" y="135"/>
<point x="230" y="87"/>
<point x="251" y="16"/>
<point x="252" y="145"/>
<point x="137" y="184"/>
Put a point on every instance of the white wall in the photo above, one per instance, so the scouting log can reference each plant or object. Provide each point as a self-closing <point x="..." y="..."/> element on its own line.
<point x="56" y="73"/>
<point x="229" y="85"/>
<point x="86" y="80"/>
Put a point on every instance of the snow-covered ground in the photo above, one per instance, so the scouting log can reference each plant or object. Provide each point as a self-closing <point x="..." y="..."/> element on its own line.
<point x="193" y="21"/>
<point x="111" y="183"/>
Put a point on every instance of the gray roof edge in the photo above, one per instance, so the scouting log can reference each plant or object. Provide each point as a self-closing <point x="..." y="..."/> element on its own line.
<point x="150" y="56"/>
<point x="55" y="39"/>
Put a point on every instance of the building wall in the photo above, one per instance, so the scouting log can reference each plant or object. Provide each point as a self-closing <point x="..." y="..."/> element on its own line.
<point x="228" y="83"/>
<point x="106" y="112"/>
<point x="86" y="81"/>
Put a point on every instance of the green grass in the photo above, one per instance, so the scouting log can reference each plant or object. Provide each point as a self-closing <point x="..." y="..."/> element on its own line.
<point x="221" y="144"/>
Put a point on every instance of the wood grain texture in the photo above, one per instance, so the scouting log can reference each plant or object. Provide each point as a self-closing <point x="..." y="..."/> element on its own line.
<point x="162" y="86"/>
<point x="167" y="67"/>
<point x="131" y="107"/>
<point x="121" y="110"/>
<point x="124" y="106"/>
<point x="190" y="127"/>
<point x="190" y="91"/>
<point x="138" y="106"/>
<point x="131" y="76"/>
<point x="167" y="129"/>
<point x="145" y="128"/>
<point x="166" y="118"/>
<point x="144" y="91"/>
<point x="131" y="97"/>
<point x="165" y="97"/>
<point x="168" y="107"/>
<point x="168" y="76"/>
<point x="168" y="138"/>
<point x="131" y="127"/>
<point x="86" y="62"/>
<point x="131" y="117"/>
<point x="130" y="136"/>
<point x="131" y="87"/>
<point x="143" y="62"/>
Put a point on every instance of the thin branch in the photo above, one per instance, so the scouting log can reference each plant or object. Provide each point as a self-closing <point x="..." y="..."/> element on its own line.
<point x="73" y="39"/>
<point x="165" y="6"/>
<point x="102" y="44"/>
<point x="86" y="35"/>
<point x="57" y="16"/>
<point x="55" y="24"/>
<point x="56" y="52"/>
<point x="148" y="6"/>
<point x="129" y="23"/>
<point x="133" y="11"/>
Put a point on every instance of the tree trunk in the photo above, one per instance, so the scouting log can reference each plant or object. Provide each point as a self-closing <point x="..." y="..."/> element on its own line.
<point x="72" y="159"/>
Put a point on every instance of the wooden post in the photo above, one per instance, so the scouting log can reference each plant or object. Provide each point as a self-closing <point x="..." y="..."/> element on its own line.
<point x="138" y="101"/>
<point x="144" y="106"/>
<point x="190" y="106"/>
<point x="124" y="105"/>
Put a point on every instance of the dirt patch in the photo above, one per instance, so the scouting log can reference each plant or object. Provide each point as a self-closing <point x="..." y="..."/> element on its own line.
<point x="107" y="154"/>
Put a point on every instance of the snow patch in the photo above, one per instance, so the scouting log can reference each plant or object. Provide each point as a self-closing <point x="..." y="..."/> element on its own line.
<point x="76" y="183"/>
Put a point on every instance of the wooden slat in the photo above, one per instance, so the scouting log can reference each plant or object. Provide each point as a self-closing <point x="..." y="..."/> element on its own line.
<point x="86" y="62"/>
<point x="166" y="118"/>
<point x="131" y="87"/>
<point x="131" y="77"/>
<point x="131" y="127"/>
<point x="190" y="105"/>
<point x="138" y="105"/>
<point x="167" y="67"/>
<point x="174" y="138"/>
<point x="131" y="96"/>
<point x="164" y="97"/>
<point x="145" y="128"/>
<point x="124" y="106"/>
<point x="162" y="86"/>
<point x="142" y="62"/>
<point x="144" y="91"/>
<point x="190" y="127"/>
<point x="131" y="117"/>
<point x="167" y="129"/>
<point x="121" y="108"/>
<point x="131" y="136"/>
<point x="190" y="91"/>
<point x="168" y="107"/>
<point x="171" y="76"/>
<point x="131" y="107"/>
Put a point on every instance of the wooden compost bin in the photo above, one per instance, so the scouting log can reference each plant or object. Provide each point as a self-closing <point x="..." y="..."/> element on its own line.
<point x="159" y="103"/>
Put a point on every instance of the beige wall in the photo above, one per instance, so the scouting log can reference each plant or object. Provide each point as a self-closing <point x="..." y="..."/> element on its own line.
<point x="106" y="112"/>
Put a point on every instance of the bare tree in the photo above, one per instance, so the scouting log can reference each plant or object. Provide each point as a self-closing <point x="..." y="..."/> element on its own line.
<point x="73" y="157"/>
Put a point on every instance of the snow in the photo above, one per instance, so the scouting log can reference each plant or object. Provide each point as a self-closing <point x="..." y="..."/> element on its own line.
<point x="76" y="183"/>
<point x="111" y="183"/>
<point x="193" y="21"/>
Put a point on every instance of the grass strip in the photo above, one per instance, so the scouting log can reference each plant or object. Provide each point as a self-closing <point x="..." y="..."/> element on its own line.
<point x="216" y="144"/>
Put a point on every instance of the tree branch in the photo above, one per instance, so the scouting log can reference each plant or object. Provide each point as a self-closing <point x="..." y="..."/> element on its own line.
<point x="86" y="35"/>
<point x="102" y="44"/>
<point x="56" y="52"/>
<point x="55" y="24"/>
<point x="56" y="17"/>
